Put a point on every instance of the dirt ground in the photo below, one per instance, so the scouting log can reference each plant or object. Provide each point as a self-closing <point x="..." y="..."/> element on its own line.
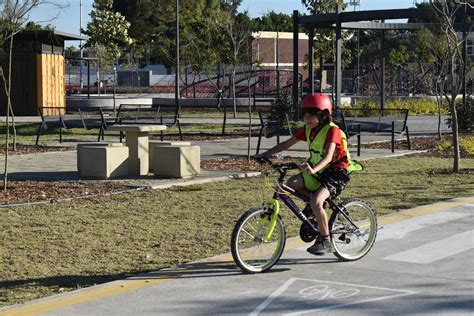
<point x="34" y="191"/>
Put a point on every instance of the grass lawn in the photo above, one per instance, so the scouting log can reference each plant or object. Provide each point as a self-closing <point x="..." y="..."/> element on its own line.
<point x="47" y="249"/>
<point x="26" y="132"/>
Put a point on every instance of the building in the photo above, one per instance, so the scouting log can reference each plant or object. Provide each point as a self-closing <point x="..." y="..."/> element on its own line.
<point x="274" y="50"/>
<point x="37" y="72"/>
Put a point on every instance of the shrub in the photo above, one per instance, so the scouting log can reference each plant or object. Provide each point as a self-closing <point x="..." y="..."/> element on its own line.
<point x="284" y="103"/>
<point x="467" y="143"/>
<point x="416" y="107"/>
<point x="465" y="115"/>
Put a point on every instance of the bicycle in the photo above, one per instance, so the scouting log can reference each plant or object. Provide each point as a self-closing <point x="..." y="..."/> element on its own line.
<point x="259" y="236"/>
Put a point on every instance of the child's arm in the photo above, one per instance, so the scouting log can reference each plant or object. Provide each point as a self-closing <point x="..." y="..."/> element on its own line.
<point x="280" y="147"/>
<point x="329" y="153"/>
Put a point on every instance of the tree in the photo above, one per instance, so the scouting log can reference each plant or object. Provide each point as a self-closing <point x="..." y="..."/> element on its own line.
<point x="448" y="12"/>
<point x="154" y="30"/>
<point x="273" y="21"/>
<point x="429" y="49"/>
<point x="107" y="31"/>
<point x="14" y="14"/>
<point x="235" y="31"/>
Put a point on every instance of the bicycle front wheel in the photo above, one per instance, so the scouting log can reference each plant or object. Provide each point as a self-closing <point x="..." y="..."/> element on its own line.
<point x="354" y="233"/>
<point x="252" y="249"/>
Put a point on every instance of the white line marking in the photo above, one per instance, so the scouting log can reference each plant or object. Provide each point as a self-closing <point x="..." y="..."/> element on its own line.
<point x="287" y="284"/>
<point x="274" y="295"/>
<point x="400" y="229"/>
<point x="348" y="304"/>
<point x="437" y="250"/>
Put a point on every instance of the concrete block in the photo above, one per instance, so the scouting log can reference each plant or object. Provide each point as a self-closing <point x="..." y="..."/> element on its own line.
<point x="177" y="161"/>
<point x="153" y="143"/>
<point x="80" y="153"/>
<point x="103" y="162"/>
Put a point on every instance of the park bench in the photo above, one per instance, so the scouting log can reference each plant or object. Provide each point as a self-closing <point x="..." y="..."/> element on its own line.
<point x="389" y="121"/>
<point x="58" y="118"/>
<point x="148" y="114"/>
<point x="272" y="123"/>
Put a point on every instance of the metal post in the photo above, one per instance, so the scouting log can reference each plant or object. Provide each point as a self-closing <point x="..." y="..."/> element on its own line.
<point x="277" y="48"/>
<point x="115" y="84"/>
<point x="176" y="94"/>
<point x="311" y="61"/>
<point x="88" y="79"/>
<point x="464" y="56"/>
<point x="393" y="136"/>
<point x="81" y="81"/>
<point x="358" y="61"/>
<point x="278" y="59"/>
<point x="382" y="76"/>
<point x="337" y="66"/>
<point x="295" y="60"/>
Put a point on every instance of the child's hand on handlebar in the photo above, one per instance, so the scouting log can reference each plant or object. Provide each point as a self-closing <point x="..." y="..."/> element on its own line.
<point x="305" y="167"/>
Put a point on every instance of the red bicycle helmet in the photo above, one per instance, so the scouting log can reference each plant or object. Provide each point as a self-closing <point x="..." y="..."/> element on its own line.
<point x="317" y="101"/>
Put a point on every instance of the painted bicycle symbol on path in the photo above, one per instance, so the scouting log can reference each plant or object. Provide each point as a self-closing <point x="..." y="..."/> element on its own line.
<point x="299" y="296"/>
<point x="324" y="291"/>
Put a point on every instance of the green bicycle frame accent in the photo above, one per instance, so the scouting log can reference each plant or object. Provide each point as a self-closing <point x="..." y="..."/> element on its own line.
<point x="275" y="204"/>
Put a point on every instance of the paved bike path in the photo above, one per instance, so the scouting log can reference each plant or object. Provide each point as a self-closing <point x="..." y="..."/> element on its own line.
<point x="421" y="264"/>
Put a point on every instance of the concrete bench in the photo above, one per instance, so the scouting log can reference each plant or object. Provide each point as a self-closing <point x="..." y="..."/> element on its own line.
<point x="153" y="143"/>
<point x="80" y="152"/>
<point x="176" y="161"/>
<point x="102" y="162"/>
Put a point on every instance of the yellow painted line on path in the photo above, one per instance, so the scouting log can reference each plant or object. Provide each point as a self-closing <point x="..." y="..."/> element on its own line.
<point x="80" y="296"/>
<point x="424" y="210"/>
<point x="162" y="276"/>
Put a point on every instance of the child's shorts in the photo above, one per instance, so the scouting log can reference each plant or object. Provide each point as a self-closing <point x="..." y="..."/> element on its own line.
<point x="333" y="180"/>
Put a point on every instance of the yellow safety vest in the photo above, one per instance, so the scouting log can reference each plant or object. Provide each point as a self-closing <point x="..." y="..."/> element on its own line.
<point x="316" y="147"/>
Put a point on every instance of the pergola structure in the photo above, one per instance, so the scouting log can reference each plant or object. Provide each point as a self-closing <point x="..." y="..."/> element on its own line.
<point x="340" y="20"/>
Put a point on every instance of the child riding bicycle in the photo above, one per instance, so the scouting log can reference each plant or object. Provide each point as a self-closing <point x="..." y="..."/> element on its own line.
<point x="326" y="173"/>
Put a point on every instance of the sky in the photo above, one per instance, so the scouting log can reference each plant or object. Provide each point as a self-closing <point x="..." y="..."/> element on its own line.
<point x="68" y="19"/>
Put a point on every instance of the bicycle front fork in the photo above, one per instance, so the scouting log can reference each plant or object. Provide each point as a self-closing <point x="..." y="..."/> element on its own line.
<point x="275" y="206"/>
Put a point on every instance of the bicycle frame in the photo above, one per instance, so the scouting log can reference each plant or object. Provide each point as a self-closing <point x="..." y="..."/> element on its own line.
<point x="281" y="190"/>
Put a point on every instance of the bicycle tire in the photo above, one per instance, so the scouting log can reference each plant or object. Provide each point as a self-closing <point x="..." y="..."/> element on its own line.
<point x="349" y="243"/>
<point x="248" y="241"/>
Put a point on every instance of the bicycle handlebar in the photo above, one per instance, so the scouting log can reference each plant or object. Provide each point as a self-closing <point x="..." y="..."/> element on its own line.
<point x="285" y="166"/>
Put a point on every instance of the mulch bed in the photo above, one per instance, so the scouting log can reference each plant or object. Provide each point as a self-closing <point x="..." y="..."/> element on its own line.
<point x="431" y="144"/>
<point x="33" y="191"/>
<point x="33" y="149"/>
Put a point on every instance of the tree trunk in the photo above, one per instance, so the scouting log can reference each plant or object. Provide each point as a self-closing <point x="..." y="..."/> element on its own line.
<point x="439" y="102"/>
<point x="454" y="127"/>
<point x="7" y="136"/>
<point x="234" y="103"/>
<point x="320" y="74"/>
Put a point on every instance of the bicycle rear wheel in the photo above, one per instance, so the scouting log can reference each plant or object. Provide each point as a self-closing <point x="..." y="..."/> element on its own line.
<point x="352" y="242"/>
<point x="250" y="249"/>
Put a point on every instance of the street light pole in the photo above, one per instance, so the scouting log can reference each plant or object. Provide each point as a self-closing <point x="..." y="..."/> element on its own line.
<point x="278" y="57"/>
<point x="176" y="94"/>
<point x="80" y="46"/>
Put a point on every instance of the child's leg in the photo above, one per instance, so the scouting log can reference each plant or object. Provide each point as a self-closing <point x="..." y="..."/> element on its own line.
<point x="322" y="244"/>
<point x="317" y="205"/>
<point x="296" y="182"/>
